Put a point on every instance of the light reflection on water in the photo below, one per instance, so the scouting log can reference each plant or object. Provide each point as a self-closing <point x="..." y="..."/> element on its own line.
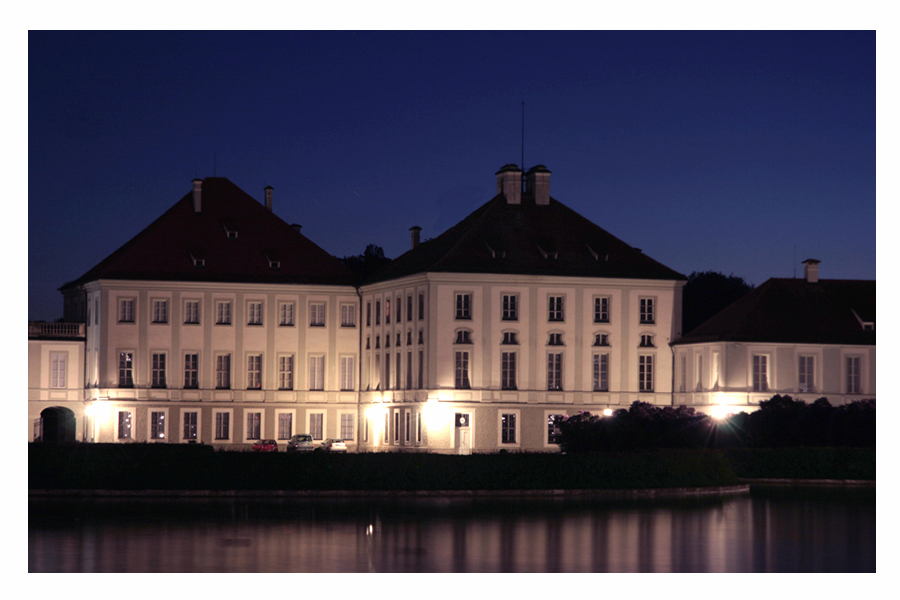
<point x="785" y="530"/>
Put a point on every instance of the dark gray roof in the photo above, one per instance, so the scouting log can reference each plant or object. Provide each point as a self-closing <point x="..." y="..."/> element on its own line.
<point x="830" y="311"/>
<point x="527" y="239"/>
<point x="166" y="250"/>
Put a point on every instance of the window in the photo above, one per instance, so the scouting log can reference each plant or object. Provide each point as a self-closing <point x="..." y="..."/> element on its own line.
<point x="286" y="314"/>
<point x="421" y="336"/>
<point x="409" y="310"/>
<point x="378" y="312"/>
<point x="58" y="369"/>
<point x="347" y="373"/>
<point x="510" y="307"/>
<point x="552" y="428"/>
<point x="421" y="306"/>
<point x="348" y="315"/>
<point x="853" y="375"/>
<point x="191" y="370"/>
<point x="645" y="373"/>
<point x="555" y="308"/>
<point x="254" y="425"/>
<point x="368" y="343"/>
<point x="647" y="314"/>
<point x="124" y="432"/>
<point x="601" y="309"/>
<point x="387" y="312"/>
<point x="601" y="373"/>
<point x="399" y="340"/>
<point x="407" y="430"/>
<point x="554" y="371"/>
<point x="805" y="373"/>
<point x="463" y="336"/>
<point x="223" y="371"/>
<point x="508" y="428"/>
<point x="464" y="306"/>
<point x="126" y="310"/>
<point x="387" y="340"/>
<point x="646" y="341"/>
<point x="683" y="373"/>
<point x="397" y="365"/>
<point x="409" y="337"/>
<point x="157" y="425"/>
<point x="96" y="311"/>
<point x="699" y="363"/>
<point x="223" y="425"/>
<point x="192" y="312"/>
<point x="285" y="425"/>
<point x="254" y="313"/>
<point x="418" y="428"/>
<point x="285" y="372"/>
<point x="377" y="342"/>
<point x="387" y="427"/>
<point x="223" y="313"/>
<point x="760" y="373"/>
<point x="368" y="314"/>
<point x="399" y="306"/>
<point x="347" y="430"/>
<point x="158" y="370"/>
<point x="160" y="311"/>
<point x="316" y="373"/>
<point x="555" y="339"/>
<point x="254" y="371"/>
<point x="421" y="369"/>
<point x="316" y="426"/>
<point x="317" y="314"/>
<point x="508" y="370"/>
<point x="190" y="425"/>
<point x="462" y="371"/>
<point x="409" y="370"/>
<point x="510" y="339"/>
<point x="396" y="426"/>
<point x="126" y="369"/>
<point x="601" y="339"/>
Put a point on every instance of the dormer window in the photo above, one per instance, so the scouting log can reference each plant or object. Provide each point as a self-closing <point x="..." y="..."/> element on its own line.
<point x="463" y="336"/>
<point x="510" y="338"/>
<point x="273" y="261"/>
<point x="197" y="258"/>
<point x="546" y="251"/>
<point x="555" y="339"/>
<point x="230" y="231"/>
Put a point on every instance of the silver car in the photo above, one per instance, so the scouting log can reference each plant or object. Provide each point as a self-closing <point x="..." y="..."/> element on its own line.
<point x="300" y="442"/>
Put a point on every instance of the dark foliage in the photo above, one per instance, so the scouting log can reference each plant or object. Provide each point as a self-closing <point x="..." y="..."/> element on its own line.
<point x="707" y="293"/>
<point x="780" y="422"/>
<point x="368" y="262"/>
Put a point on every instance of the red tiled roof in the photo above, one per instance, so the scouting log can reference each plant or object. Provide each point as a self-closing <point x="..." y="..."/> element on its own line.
<point x="166" y="249"/>
<point x="527" y="239"/>
<point x="795" y="311"/>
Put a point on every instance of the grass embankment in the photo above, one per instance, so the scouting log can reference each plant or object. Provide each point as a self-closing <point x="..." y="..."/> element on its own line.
<point x="184" y="467"/>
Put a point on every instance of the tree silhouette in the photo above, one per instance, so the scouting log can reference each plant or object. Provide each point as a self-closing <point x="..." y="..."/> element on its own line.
<point x="705" y="294"/>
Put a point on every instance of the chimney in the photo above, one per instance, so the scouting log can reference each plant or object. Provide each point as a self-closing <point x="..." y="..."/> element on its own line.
<point x="415" y="230"/>
<point x="296" y="227"/>
<point x="509" y="183"/>
<point x="268" y="190"/>
<point x="811" y="270"/>
<point x="537" y="181"/>
<point x="198" y="183"/>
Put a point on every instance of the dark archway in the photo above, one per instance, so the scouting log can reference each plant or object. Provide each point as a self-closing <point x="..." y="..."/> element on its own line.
<point x="57" y="425"/>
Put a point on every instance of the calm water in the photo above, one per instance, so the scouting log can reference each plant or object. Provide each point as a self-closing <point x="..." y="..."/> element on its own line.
<point x="818" y="529"/>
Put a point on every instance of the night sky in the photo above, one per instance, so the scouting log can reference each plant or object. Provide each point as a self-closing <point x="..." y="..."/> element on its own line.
<point x="739" y="152"/>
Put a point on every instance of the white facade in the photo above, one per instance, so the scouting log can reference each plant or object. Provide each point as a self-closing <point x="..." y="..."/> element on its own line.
<point x="505" y="353"/>
<point x="56" y="375"/>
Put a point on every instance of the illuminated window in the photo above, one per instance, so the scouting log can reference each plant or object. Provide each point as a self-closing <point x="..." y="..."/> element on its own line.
<point x="126" y="369"/>
<point x="645" y="373"/>
<point x="552" y="428"/>
<point x="125" y="422"/>
<point x="157" y="425"/>
<point x="254" y="371"/>
<point x="254" y="313"/>
<point x="58" y="369"/>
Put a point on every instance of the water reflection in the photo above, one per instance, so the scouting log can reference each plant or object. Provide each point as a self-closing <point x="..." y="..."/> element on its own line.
<point x="817" y="529"/>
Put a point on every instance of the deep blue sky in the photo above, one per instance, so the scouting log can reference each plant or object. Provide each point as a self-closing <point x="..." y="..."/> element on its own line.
<point x="739" y="152"/>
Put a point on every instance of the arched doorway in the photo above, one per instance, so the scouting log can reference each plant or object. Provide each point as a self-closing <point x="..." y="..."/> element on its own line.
<point x="57" y="425"/>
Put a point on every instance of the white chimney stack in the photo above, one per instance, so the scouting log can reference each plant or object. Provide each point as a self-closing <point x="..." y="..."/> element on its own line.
<point x="811" y="270"/>
<point x="268" y="191"/>
<point x="198" y="183"/>
<point x="509" y="183"/>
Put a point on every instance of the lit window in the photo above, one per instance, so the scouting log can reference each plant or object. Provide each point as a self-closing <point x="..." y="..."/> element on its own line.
<point x="552" y="428"/>
<point x="157" y="425"/>
<point x="126" y="369"/>
<point x="125" y="422"/>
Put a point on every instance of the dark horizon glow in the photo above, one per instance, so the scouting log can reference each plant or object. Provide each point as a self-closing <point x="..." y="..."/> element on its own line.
<point x="739" y="152"/>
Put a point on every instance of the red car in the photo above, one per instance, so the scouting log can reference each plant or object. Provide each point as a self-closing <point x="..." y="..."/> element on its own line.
<point x="265" y="446"/>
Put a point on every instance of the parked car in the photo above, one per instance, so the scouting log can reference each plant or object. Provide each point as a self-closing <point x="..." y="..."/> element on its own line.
<point x="334" y="445"/>
<point x="265" y="446"/>
<point x="300" y="442"/>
